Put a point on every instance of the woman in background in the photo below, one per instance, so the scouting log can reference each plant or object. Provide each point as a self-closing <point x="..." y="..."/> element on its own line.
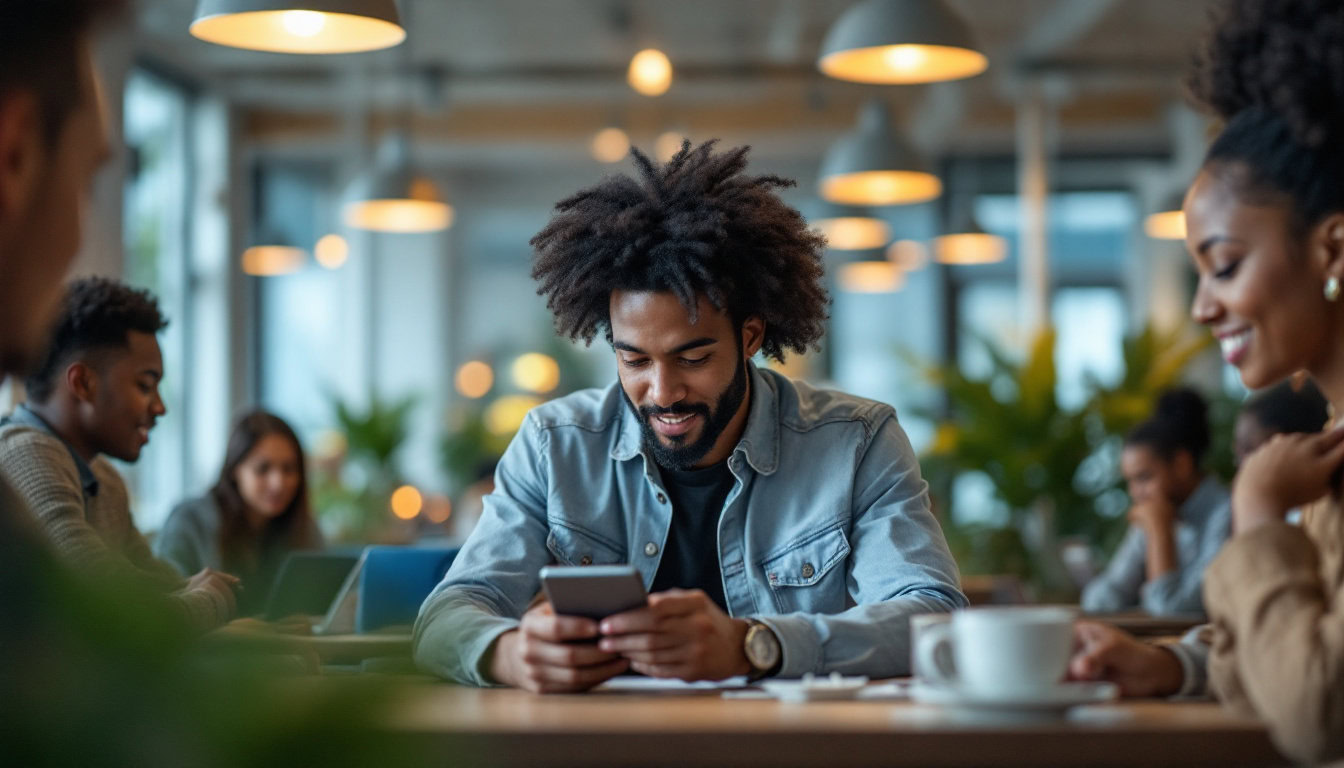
<point x="256" y="513"/>
<point x="1179" y="518"/>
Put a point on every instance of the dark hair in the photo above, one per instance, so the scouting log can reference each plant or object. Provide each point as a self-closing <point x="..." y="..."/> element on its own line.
<point x="39" y="52"/>
<point x="1179" y="423"/>
<point x="697" y="225"/>
<point x="1273" y="71"/>
<point x="1284" y="408"/>
<point x="96" y="314"/>
<point x="290" y="529"/>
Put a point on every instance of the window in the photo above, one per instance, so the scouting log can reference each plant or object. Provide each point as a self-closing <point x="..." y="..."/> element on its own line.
<point x="155" y="232"/>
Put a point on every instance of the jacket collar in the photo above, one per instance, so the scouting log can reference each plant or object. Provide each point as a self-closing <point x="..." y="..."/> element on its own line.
<point x="760" y="439"/>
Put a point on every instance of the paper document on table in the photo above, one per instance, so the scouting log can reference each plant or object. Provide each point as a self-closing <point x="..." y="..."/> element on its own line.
<point x="634" y="684"/>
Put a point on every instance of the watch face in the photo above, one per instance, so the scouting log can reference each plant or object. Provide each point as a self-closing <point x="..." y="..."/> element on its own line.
<point x="762" y="647"/>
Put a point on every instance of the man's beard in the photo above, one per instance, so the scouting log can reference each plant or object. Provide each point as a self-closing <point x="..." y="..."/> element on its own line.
<point x="680" y="455"/>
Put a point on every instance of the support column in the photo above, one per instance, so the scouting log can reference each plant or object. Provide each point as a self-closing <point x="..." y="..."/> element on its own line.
<point x="1033" y="188"/>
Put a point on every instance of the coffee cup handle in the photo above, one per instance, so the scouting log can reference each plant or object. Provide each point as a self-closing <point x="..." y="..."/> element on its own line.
<point x="933" y="649"/>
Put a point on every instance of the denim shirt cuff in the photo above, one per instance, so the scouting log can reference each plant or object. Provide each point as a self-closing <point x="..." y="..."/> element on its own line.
<point x="798" y="644"/>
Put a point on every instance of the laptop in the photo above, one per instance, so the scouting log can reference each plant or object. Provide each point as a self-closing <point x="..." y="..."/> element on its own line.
<point x="307" y="583"/>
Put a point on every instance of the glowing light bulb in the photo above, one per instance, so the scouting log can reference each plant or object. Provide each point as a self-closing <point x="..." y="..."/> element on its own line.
<point x="407" y="502"/>
<point x="905" y="58"/>
<point x="303" y="23"/>
<point x="610" y="145"/>
<point x="331" y="251"/>
<point x="650" y="72"/>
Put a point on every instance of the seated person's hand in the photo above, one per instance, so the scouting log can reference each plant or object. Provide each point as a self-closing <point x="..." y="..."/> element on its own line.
<point x="1290" y="470"/>
<point x="218" y="583"/>
<point x="1151" y="514"/>
<point x="1102" y="652"/>
<point x="682" y="634"/>
<point x="542" y="655"/>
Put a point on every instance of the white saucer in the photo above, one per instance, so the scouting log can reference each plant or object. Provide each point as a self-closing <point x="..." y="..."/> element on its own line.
<point x="815" y="688"/>
<point x="1055" y="699"/>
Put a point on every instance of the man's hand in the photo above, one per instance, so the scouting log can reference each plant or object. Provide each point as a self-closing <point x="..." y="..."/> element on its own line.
<point x="1103" y="652"/>
<point x="217" y="582"/>
<point x="546" y="654"/>
<point x="1286" y="472"/>
<point x="682" y="634"/>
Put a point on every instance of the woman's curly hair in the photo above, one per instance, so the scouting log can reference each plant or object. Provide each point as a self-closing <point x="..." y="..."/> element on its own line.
<point x="1273" y="71"/>
<point x="697" y="225"/>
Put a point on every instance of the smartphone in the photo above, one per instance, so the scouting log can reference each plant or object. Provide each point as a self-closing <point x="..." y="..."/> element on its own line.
<point x="593" y="591"/>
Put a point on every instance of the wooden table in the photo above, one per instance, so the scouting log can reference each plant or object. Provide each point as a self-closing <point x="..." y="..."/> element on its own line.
<point x="324" y="649"/>
<point x="468" y="726"/>
<point x="1142" y="624"/>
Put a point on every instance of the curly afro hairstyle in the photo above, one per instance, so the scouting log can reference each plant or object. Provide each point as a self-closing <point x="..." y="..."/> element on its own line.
<point x="96" y="314"/>
<point x="697" y="225"/>
<point x="1273" y="71"/>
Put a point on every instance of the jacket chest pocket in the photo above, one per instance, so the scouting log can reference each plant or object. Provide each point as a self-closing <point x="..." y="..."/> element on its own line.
<point x="806" y="576"/>
<point x="571" y="546"/>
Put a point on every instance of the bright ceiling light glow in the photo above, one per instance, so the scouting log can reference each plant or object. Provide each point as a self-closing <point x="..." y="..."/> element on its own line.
<point x="535" y="372"/>
<point x="474" y="379"/>
<point x="650" y="72"/>
<point x="331" y="251"/>
<point x="1165" y="225"/>
<point x="870" y="277"/>
<point x="272" y="260"/>
<point x="610" y="145"/>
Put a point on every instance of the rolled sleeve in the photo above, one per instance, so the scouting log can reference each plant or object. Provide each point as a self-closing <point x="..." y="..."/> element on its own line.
<point x="899" y="566"/>
<point x="495" y="576"/>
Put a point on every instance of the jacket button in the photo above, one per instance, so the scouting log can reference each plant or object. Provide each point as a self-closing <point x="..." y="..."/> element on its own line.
<point x="586" y="560"/>
<point x="662" y="499"/>
<point x="808" y="570"/>
<point x="650" y="549"/>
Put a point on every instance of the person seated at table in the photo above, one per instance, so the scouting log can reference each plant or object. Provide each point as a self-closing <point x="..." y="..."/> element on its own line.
<point x="780" y="529"/>
<point x="1265" y="228"/>
<point x="1142" y="668"/>
<point x="96" y="395"/>
<point x="1179" y="518"/>
<point x="256" y="513"/>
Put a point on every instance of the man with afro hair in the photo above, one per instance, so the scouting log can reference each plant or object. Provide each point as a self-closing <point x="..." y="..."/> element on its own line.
<point x="779" y="529"/>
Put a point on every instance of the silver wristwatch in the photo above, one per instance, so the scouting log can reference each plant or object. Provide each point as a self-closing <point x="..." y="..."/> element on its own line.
<point x="762" y="650"/>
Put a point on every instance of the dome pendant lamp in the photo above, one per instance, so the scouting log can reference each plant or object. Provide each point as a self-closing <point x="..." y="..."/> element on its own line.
<point x="873" y="166"/>
<point x="299" y="26"/>
<point x="899" y="42"/>
<point x="396" y="197"/>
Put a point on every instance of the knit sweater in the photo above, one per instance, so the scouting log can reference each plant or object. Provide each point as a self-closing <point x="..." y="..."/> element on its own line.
<point x="94" y="533"/>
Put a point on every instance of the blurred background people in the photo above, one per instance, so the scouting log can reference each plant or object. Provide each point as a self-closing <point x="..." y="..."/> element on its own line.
<point x="1178" y="518"/>
<point x="257" y="512"/>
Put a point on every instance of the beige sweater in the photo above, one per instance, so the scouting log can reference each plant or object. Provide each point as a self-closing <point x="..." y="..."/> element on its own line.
<point x="94" y="534"/>
<point x="1276" y="599"/>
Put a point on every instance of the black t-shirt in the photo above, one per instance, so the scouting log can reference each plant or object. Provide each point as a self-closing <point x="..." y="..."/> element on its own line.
<point x="691" y="555"/>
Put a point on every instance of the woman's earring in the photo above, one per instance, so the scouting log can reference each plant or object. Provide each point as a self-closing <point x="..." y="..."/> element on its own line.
<point x="1331" y="288"/>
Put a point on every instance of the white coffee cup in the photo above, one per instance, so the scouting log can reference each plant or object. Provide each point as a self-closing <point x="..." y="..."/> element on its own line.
<point x="919" y="626"/>
<point x="999" y="652"/>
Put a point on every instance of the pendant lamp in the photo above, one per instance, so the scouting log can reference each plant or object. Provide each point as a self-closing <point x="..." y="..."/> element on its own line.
<point x="271" y="255"/>
<point x="874" y="166"/>
<point x="299" y="26"/>
<point x="967" y="243"/>
<point x="893" y="42"/>
<point x="850" y="228"/>
<point x="1168" y="223"/>
<point x="870" y="277"/>
<point x="396" y="197"/>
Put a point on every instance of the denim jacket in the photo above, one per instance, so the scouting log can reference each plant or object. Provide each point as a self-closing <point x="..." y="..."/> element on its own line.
<point x="826" y="536"/>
